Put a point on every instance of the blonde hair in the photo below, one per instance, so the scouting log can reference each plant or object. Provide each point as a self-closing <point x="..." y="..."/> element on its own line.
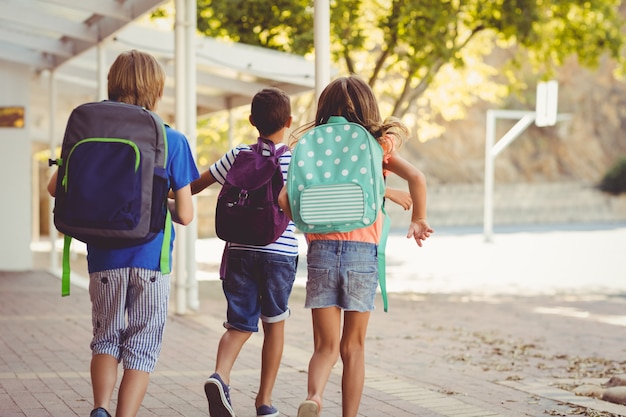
<point x="136" y="78"/>
<point x="352" y="98"/>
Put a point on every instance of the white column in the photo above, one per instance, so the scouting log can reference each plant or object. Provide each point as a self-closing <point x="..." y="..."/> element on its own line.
<point x="15" y="170"/>
<point x="190" y="128"/>
<point x="103" y="92"/>
<point x="52" y="111"/>
<point x="180" y="251"/>
<point x="321" y="25"/>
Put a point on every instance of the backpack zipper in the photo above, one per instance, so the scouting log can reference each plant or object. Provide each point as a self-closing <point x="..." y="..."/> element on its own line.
<point x="107" y="140"/>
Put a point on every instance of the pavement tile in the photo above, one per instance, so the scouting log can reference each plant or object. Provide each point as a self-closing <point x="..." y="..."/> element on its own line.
<point x="432" y="355"/>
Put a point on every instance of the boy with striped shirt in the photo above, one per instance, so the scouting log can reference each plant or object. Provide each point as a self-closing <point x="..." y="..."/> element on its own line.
<point x="257" y="280"/>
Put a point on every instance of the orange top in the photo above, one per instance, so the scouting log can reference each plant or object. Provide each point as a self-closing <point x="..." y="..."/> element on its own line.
<point x="369" y="234"/>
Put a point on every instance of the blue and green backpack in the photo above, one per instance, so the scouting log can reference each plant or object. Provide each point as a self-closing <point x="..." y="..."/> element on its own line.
<point x="335" y="182"/>
<point x="112" y="182"/>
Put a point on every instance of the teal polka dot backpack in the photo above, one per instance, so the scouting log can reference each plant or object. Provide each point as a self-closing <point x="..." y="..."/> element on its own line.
<point x="335" y="183"/>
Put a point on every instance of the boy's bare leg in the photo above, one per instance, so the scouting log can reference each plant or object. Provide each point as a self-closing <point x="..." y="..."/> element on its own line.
<point x="227" y="351"/>
<point x="273" y="343"/>
<point x="353" y="357"/>
<point x="103" y="379"/>
<point x="132" y="390"/>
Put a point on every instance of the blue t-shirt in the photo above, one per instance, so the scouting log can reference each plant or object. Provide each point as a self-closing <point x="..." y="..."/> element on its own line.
<point x="181" y="170"/>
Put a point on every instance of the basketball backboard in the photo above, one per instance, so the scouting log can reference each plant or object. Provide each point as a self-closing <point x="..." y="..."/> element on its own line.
<point x="547" y="103"/>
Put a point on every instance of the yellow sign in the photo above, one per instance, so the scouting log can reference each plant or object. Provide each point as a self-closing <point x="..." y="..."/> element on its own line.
<point x="12" y="116"/>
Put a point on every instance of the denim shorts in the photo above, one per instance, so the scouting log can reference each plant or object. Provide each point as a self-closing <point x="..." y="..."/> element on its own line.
<point x="257" y="285"/>
<point x="341" y="274"/>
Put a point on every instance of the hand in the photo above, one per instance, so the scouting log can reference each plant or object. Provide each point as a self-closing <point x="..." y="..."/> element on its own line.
<point x="419" y="230"/>
<point x="400" y="197"/>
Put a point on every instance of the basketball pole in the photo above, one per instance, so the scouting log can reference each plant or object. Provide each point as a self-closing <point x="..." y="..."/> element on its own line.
<point x="545" y="114"/>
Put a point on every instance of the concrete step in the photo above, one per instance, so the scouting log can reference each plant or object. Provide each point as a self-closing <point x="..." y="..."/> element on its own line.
<point x="462" y="205"/>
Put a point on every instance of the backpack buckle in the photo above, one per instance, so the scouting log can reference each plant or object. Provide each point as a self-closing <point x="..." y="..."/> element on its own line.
<point x="243" y="196"/>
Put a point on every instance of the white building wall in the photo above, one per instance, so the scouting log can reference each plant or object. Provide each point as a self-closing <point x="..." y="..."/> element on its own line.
<point x="15" y="171"/>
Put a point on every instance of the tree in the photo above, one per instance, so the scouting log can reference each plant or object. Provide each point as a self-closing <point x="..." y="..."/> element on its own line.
<point x="408" y="42"/>
<point x="284" y="25"/>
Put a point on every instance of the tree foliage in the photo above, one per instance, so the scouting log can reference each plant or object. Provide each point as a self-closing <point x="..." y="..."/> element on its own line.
<point x="285" y="25"/>
<point x="408" y="42"/>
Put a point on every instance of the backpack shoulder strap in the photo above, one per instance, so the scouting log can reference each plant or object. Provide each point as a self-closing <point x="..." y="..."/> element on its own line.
<point x="382" y="264"/>
<point x="164" y="259"/>
<point x="268" y="146"/>
<point x="65" y="275"/>
<point x="281" y="150"/>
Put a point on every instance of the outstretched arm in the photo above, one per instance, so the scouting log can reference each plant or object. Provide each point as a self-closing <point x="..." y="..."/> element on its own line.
<point x="419" y="228"/>
<point x="206" y="179"/>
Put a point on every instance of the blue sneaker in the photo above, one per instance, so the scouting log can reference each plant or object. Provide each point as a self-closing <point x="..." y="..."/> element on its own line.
<point x="266" y="411"/>
<point x="218" y="395"/>
<point x="99" y="412"/>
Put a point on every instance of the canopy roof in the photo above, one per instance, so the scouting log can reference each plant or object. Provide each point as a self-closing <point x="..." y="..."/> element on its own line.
<point x="228" y="74"/>
<point x="61" y="35"/>
<point x="44" y="34"/>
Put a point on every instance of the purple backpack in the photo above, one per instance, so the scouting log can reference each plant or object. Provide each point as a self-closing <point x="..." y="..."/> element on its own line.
<point x="247" y="207"/>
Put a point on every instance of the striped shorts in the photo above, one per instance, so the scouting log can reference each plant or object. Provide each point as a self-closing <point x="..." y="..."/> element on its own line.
<point x="129" y="311"/>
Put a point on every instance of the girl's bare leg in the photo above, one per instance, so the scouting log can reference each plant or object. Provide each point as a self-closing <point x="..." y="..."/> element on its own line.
<point x="353" y="357"/>
<point x="326" y="333"/>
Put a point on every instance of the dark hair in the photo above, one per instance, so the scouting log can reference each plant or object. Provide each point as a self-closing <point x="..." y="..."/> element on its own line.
<point x="270" y="110"/>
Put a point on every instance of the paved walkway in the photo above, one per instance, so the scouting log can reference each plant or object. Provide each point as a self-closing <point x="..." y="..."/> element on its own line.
<point x="458" y="354"/>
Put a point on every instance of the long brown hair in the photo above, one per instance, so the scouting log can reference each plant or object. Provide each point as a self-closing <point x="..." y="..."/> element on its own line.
<point x="352" y="98"/>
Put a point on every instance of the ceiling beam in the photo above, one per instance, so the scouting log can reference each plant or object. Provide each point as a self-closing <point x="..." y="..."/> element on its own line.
<point x="26" y="57"/>
<point x="39" y="21"/>
<point x="107" y="8"/>
<point x="38" y="43"/>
